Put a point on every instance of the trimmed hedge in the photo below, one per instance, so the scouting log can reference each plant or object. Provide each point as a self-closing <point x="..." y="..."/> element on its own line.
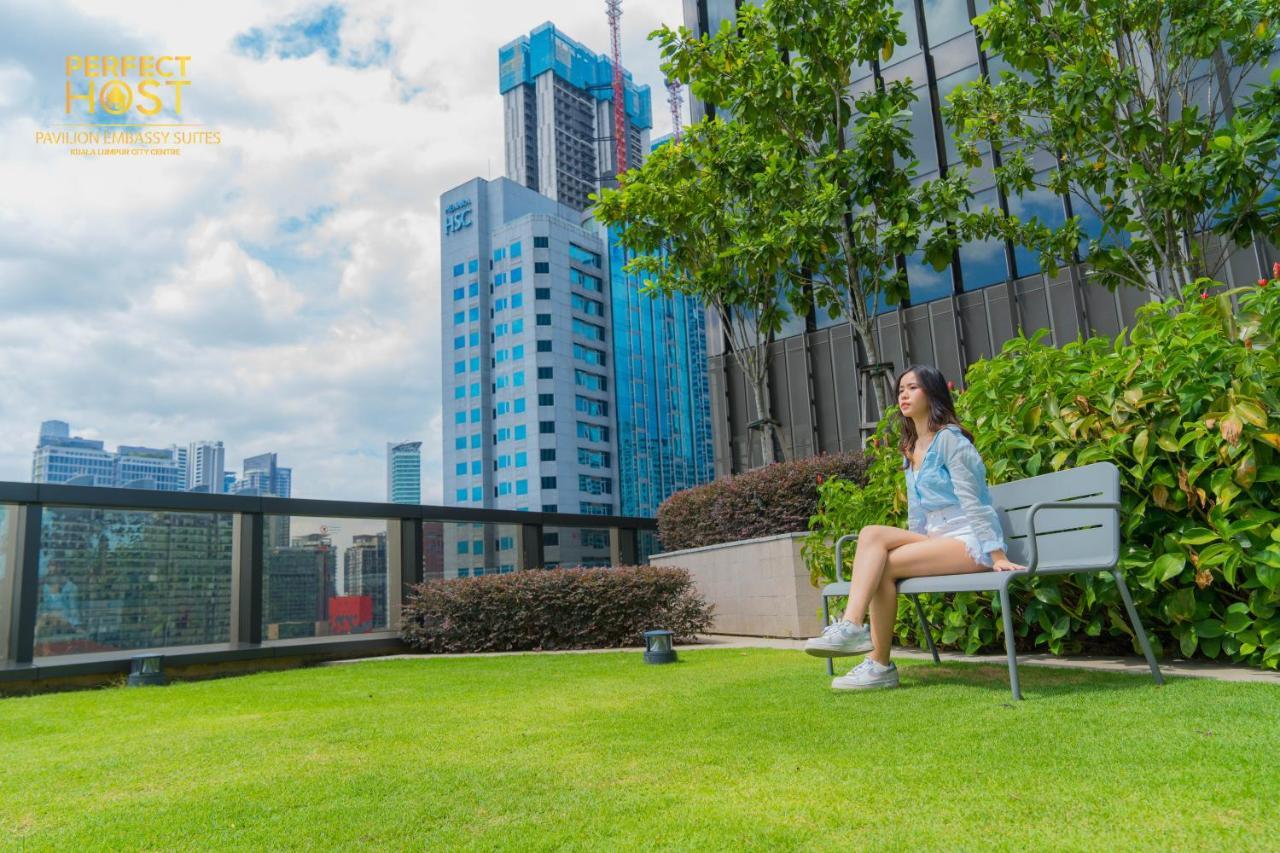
<point x="580" y="608"/>
<point x="778" y="498"/>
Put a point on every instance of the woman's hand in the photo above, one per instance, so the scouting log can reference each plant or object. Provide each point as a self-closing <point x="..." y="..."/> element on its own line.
<point x="1004" y="564"/>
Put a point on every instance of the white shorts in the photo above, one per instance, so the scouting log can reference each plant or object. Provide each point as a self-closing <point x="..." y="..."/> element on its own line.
<point x="952" y="523"/>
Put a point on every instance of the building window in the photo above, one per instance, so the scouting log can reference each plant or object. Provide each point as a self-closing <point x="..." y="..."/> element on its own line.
<point x="592" y="432"/>
<point x="542" y="293"/>
<point x="586" y="281"/>
<point x="517" y="352"/>
<point x="591" y="381"/>
<point x="517" y="275"/>
<point x="548" y="454"/>
<point x="477" y="494"/>
<point x="588" y="330"/>
<point x="521" y="432"/>
<point x="461" y="496"/>
<point x="458" y="269"/>
<point x="517" y="299"/>
<point x="547" y="427"/>
<point x="460" y="392"/>
<point x="460" y="469"/>
<point x="541" y="242"/>
<point x="593" y="458"/>
<point x="595" y="485"/>
<point x="522" y="487"/>
<point x="589" y="355"/>
<point x="517" y="326"/>
<point x="591" y="508"/>
<point x="464" y="546"/>
<point x="474" y="315"/>
<point x="476" y="467"/>
<point x="551" y="508"/>
<point x="548" y="482"/>
<point x="475" y="441"/>
<point x="550" y="538"/>
<point x="473" y="265"/>
<point x="592" y="307"/>
<point x="517" y="379"/>
<point x="544" y="319"/>
<point x="522" y="459"/>
<point x="541" y="267"/>
<point x="583" y="256"/>
<point x="545" y="373"/>
<point x="459" y="417"/>
<point x="499" y="254"/>
<point x="460" y="443"/>
<point x="516" y="249"/>
<point x="519" y="405"/>
<point x="459" y="292"/>
<point x="588" y="406"/>
<point x="544" y="346"/>
<point x="459" y="367"/>
<point x="475" y="389"/>
<point x="546" y="399"/>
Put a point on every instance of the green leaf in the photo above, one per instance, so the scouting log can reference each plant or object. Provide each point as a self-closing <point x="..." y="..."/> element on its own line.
<point x="1268" y="576"/>
<point x="1169" y="566"/>
<point x="1198" y="536"/>
<point x="1181" y="605"/>
<point x="1049" y="594"/>
<point x="1187" y="642"/>
<point x="1207" y="628"/>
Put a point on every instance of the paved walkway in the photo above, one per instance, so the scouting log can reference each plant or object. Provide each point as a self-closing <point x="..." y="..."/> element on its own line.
<point x="1131" y="665"/>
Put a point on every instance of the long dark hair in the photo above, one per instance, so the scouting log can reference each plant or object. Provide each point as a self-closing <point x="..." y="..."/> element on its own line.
<point x="942" y="409"/>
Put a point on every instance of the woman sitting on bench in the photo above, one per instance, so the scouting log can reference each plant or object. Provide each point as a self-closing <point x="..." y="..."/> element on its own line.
<point x="951" y="529"/>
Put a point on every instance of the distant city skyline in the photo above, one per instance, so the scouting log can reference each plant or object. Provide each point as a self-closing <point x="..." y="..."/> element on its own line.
<point x="290" y="296"/>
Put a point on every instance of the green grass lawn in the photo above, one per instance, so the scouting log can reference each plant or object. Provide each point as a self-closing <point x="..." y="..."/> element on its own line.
<point x="725" y="750"/>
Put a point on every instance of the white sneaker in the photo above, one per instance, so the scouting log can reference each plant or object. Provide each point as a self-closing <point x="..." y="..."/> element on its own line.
<point x="866" y="675"/>
<point x="842" y="639"/>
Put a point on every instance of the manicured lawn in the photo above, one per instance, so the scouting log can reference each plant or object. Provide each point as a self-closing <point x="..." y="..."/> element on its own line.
<point x="728" y="749"/>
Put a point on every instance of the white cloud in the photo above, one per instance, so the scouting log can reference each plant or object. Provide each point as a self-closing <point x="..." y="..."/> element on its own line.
<point x="279" y="291"/>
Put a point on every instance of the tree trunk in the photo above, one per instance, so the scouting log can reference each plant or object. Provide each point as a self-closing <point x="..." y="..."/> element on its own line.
<point x="764" y="416"/>
<point x="864" y="334"/>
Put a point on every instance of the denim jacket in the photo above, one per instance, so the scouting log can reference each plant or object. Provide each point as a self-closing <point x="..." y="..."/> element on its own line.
<point x="952" y="474"/>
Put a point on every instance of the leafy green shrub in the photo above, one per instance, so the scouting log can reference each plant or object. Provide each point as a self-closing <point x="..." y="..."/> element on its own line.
<point x="1188" y="410"/>
<point x="778" y="498"/>
<point x="553" y="609"/>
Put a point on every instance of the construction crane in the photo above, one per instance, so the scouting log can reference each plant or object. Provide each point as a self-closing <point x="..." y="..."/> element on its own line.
<point x="675" y="98"/>
<point x="614" y="9"/>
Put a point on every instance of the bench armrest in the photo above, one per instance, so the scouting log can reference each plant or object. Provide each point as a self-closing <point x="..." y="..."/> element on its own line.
<point x="1033" y="556"/>
<point x="848" y="537"/>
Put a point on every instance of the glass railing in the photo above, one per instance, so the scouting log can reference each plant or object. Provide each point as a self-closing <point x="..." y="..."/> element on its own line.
<point x="111" y="572"/>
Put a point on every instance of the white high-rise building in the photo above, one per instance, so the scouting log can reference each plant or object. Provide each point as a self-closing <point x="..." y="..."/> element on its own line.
<point x="206" y="466"/>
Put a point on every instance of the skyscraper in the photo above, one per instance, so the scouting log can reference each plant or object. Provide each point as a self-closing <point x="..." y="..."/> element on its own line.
<point x="557" y="100"/>
<point x="404" y="472"/>
<point x="528" y="406"/>
<point x="261" y="474"/>
<point x="206" y="466"/>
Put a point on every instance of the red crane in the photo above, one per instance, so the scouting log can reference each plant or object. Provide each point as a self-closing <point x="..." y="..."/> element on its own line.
<point x="614" y="8"/>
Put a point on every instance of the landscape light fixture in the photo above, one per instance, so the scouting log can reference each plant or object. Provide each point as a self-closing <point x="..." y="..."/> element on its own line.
<point x="147" y="671"/>
<point x="658" y="648"/>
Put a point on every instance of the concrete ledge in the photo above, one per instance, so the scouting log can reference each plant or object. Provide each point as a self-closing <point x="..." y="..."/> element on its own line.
<point x="758" y="586"/>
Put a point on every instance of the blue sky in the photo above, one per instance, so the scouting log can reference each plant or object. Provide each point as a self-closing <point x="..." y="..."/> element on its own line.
<point x="278" y="291"/>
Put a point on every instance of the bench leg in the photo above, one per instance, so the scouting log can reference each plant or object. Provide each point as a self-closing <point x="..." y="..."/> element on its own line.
<point x="924" y="626"/>
<point x="826" y="620"/>
<point x="1006" y="610"/>
<point x="1137" y="627"/>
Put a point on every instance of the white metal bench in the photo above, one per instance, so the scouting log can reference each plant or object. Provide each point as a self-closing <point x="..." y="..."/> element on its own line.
<point x="1057" y="523"/>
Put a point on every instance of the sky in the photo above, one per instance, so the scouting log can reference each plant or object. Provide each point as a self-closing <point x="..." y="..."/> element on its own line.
<point x="278" y="291"/>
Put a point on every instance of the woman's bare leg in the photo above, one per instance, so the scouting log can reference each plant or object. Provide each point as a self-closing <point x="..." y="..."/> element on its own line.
<point x="937" y="556"/>
<point x="875" y="541"/>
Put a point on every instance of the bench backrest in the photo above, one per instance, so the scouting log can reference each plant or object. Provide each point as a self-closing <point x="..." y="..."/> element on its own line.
<point x="1068" y="540"/>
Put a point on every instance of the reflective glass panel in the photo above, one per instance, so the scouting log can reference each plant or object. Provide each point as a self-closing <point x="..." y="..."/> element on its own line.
<point x="113" y="580"/>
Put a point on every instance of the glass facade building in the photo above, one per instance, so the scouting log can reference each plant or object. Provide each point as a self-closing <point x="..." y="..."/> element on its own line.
<point x="61" y="458"/>
<point x="660" y="384"/>
<point x="404" y="472"/>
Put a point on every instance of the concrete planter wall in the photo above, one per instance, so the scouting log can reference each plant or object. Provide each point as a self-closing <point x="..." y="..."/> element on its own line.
<point x="760" y="587"/>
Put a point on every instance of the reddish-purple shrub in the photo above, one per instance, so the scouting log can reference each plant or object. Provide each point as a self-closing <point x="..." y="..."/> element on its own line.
<point x="553" y="609"/>
<point x="778" y="498"/>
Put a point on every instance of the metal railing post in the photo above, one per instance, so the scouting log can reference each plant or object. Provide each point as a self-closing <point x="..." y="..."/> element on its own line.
<point x="531" y="553"/>
<point x="622" y="546"/>
<point x="24" y="582"/>
<point x="404" y="565"/>
<point x="246" y="578"/>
